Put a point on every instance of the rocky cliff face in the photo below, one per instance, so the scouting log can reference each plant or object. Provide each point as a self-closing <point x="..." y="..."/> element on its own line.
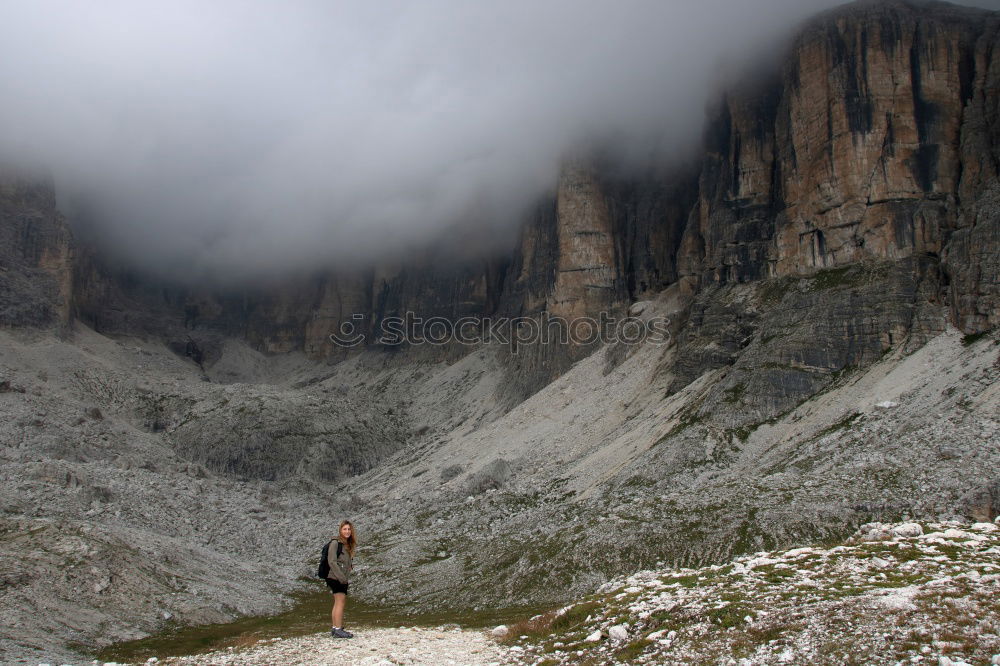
<point x="876" y="141"/>
<point x="36" y="253"/>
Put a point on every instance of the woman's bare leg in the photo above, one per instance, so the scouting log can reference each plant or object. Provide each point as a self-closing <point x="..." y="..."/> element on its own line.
<point x="337" y="614"/>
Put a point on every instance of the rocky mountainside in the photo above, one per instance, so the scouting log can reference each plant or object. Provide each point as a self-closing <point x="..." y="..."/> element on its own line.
<point x="892" y="594"/>
<point x="36" y="254"/>
<point x="876" y="139"/>
<point x="829" y="269"/>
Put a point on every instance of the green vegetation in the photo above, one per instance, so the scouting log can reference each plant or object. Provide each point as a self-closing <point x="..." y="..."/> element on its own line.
<point x="973" y="338"/>
<point x="730" y="615"/>
<point x="632" y="650"/>
<point x="765" y="339"/>
<point x="741" y="433"/>
<point x="773" y="291"/>
<point x="842" y="424"/>
<point x="688" y="418"/>
<point x="754" y="636"/>
<point x="836" y="277"/>
<point x="829" y="594"/>
<point x="552" y="621"/>
<point x="843" y="373"/>
<point x="309" y="615"/>
<point x="639" y="482"/>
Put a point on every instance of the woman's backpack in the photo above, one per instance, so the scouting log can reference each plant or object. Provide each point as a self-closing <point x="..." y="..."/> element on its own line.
<point x="324" y="562"/>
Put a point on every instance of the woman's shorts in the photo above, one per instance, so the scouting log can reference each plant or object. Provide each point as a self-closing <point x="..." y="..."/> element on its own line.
<point x="336" y="586"/>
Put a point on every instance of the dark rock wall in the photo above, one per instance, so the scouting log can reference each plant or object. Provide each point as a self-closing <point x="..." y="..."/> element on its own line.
<point x="36" y="254"/>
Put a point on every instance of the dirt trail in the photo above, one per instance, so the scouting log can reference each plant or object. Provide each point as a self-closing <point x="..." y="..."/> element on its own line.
<point x="369" y="647"/>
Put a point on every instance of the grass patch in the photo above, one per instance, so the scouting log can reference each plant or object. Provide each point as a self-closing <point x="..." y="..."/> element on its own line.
<point x="950" y="551"/>
<point x="541" y="626"/>
<point x="753" y="637"/>
<point x="836" y="277"/>
<point x="773" y="291"/>
<point x="842" y="424"/>
<point x="741" y="433"/>
<point x="845" y="371"/>
<point x="973" y="338"/>
<point x="632" y="650"/>
<point x="688" y="418"/>
<point x="730" y="615"/>
<point x="776" y="575"/>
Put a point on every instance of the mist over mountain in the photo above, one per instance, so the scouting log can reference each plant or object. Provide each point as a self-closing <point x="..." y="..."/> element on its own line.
<point x="240" y="139"/>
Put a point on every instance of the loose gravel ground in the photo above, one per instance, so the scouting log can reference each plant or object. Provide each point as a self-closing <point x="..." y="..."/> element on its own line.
<point x="369" y="647"/>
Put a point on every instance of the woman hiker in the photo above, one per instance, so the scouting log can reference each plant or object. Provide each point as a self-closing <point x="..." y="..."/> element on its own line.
<point x="341" y="551"/>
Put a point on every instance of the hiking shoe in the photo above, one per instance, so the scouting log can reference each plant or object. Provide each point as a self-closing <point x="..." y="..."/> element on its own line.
<point x="340" y="633"/>
<point x="347" y="634"/>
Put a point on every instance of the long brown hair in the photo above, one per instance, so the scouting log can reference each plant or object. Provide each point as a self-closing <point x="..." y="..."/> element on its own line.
<point x="351" y="541"/>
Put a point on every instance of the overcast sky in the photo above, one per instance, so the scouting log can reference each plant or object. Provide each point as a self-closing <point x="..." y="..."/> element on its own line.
<point x="234" y="137"/>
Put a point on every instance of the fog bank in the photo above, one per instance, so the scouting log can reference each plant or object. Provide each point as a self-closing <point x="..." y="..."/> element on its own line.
<point x="239" y="138"/>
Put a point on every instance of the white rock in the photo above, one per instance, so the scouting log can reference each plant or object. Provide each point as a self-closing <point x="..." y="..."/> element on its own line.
<point x="908" y="530"/>
<point x="874" y="532"/>
<point x="995" y="661"/>
<point x="500" y="631"/>
<point x="594" y="637"/>
<point x="672" y="635"/>
<point x="886" y="404"/>
<point x="944" y="661"/>
<point x="638" y="308"/>
<point x="795" y="552"/>
<point x="759" y="562"/>
<point x="619" y="632"/>
<point x="656" y="635"/>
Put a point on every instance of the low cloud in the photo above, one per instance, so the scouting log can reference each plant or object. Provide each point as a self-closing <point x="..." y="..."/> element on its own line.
<point x="240" y="138"/>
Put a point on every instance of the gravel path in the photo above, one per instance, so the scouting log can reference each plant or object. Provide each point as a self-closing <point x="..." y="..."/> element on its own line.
<point x="369" y="647"/>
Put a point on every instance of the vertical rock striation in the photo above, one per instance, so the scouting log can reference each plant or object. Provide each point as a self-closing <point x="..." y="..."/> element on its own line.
<point x="36" y="253"/>
<point x="877" y="140"/>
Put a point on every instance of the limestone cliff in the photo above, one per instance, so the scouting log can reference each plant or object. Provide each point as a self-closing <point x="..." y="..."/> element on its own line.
<point x="36" y="253"/>
<point x="875" y="142"/>
<point x="856" y="189"/>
